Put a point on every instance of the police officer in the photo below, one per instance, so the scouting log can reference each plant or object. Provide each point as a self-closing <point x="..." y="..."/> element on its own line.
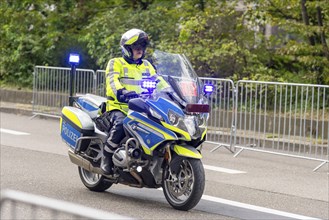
<point x="123" y="76"/>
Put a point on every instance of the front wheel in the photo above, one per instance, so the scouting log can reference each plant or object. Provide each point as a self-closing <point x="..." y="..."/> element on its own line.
<point x="184" y="190"/>
<point x="93" y="181"/>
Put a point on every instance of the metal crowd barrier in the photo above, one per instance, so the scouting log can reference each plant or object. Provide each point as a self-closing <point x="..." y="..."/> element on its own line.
<point x="279" y="118"/>
<point x="51" y="88"/>
<point x="19" y="205"/>
<point x="221" y="123"/>
<point x="100" y="83"/>
<point x="283" y="118"/>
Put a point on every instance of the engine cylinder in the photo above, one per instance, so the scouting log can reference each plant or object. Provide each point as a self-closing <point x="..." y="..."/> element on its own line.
<point x="123" y="156"/>
<point x="120" y="158"/>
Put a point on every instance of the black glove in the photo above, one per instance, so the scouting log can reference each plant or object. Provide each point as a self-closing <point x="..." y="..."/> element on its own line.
<point x="124" y="95"/>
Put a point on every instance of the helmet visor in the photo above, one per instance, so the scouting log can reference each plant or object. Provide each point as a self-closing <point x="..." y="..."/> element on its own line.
<point x="139" y="45"/>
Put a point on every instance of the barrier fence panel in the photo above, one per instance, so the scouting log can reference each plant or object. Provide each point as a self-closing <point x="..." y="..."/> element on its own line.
<point x="220" y="123"/>
<point x="283" y="117"/>
<point x="100" y="83"/>
<point x="51" y="88"/>
<point x="20" y="205"/>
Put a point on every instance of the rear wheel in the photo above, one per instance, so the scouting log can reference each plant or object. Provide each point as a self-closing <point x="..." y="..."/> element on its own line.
<point x="93" y="181"/>
<point x="184" y="190"/>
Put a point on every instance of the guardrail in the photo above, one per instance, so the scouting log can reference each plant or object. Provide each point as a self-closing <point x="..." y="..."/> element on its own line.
<point x="280" y="118"/>
<point x="19" y="205"/>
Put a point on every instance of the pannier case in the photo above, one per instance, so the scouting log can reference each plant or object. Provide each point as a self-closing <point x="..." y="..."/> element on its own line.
<point x="90" y="103"/>
<point x="75" y="123"/>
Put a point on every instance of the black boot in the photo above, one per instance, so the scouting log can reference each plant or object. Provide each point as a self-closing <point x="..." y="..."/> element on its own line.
<point x="107" y="163"/>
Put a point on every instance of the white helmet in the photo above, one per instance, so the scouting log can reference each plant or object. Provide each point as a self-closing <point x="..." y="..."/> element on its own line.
<point x="133" y="38"/>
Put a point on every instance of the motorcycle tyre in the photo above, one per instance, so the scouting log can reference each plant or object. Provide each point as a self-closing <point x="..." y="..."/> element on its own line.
<point x="198" y="187"/>
<point x="99" y="186"/>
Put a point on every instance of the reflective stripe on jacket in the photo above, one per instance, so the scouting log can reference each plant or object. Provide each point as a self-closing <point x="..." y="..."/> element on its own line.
<point x="120" y="74"/>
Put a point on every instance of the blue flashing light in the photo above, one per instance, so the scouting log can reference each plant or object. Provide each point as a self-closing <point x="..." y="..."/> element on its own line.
<point x="148" y="84"/>
<point x="74" y="59"/>
<point x="208" y="88"/>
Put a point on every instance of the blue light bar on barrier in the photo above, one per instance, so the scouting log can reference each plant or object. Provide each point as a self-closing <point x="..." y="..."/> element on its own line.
<point x="208" y="88"/>
<point x="74" y="59"/>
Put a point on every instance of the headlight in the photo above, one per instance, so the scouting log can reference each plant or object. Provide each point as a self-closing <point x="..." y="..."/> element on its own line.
<point x="173" y="118"/>
<point x="190" y="125"/>
<point x="155" y="114"/>
<point x="202" y="119"/>
<point x="187" y="123"/>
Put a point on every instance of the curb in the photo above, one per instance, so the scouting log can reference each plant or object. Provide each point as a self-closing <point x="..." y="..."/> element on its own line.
<point x="16" y="108"/>
<point x="16" y="102"/>
<point x="16" y="111"/>
<point x="25" y="112"/>
<point x="22" y="109"/>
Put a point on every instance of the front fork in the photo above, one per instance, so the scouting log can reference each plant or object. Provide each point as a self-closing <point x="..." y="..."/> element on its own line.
<point x="175" y="154"/>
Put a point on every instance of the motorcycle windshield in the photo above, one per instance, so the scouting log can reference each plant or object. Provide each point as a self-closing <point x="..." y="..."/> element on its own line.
<point x="179" y="73"/>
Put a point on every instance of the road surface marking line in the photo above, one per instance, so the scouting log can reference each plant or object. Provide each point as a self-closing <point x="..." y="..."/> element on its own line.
<point x="221" y="169"/>
<point x="2" y="130"/>
<point x="255" y="208"/>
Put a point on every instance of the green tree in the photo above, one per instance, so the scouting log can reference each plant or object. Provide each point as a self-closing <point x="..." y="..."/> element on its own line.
<point x="212" y="34"/>
<point x="224" y="39"/>
<point x="298" y="46"/>
<point x="102" y="35"/>
<point x="40" y="32"/>
<point x="22" y="26"/>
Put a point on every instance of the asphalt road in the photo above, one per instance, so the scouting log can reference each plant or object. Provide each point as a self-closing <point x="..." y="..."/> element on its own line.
<point x="251" y="186"/>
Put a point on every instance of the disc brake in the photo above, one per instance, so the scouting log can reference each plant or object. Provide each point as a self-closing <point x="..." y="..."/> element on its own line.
<point x="179" y="184"/>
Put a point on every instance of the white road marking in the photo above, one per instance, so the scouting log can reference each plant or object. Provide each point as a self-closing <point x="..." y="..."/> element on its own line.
<point x="221" y="169"/>
<point x="2" y="130"/>
<point x="256" y="208"/>
<point x="253" y="207"/>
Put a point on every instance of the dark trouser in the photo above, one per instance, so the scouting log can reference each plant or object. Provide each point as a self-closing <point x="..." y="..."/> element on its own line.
<point x="112" y="122"/>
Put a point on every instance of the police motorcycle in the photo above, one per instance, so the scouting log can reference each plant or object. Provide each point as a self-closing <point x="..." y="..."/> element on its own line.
<point x="164" y="132"/>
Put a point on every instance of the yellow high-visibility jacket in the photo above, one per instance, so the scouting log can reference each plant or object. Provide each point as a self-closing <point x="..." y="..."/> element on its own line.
<point x="120" y="74"/>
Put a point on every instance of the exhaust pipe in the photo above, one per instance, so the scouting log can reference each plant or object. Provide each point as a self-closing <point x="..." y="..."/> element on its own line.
<point x="85" y="164"/>
<point x="138" y="178"/>
<point x="82" y="162"/>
